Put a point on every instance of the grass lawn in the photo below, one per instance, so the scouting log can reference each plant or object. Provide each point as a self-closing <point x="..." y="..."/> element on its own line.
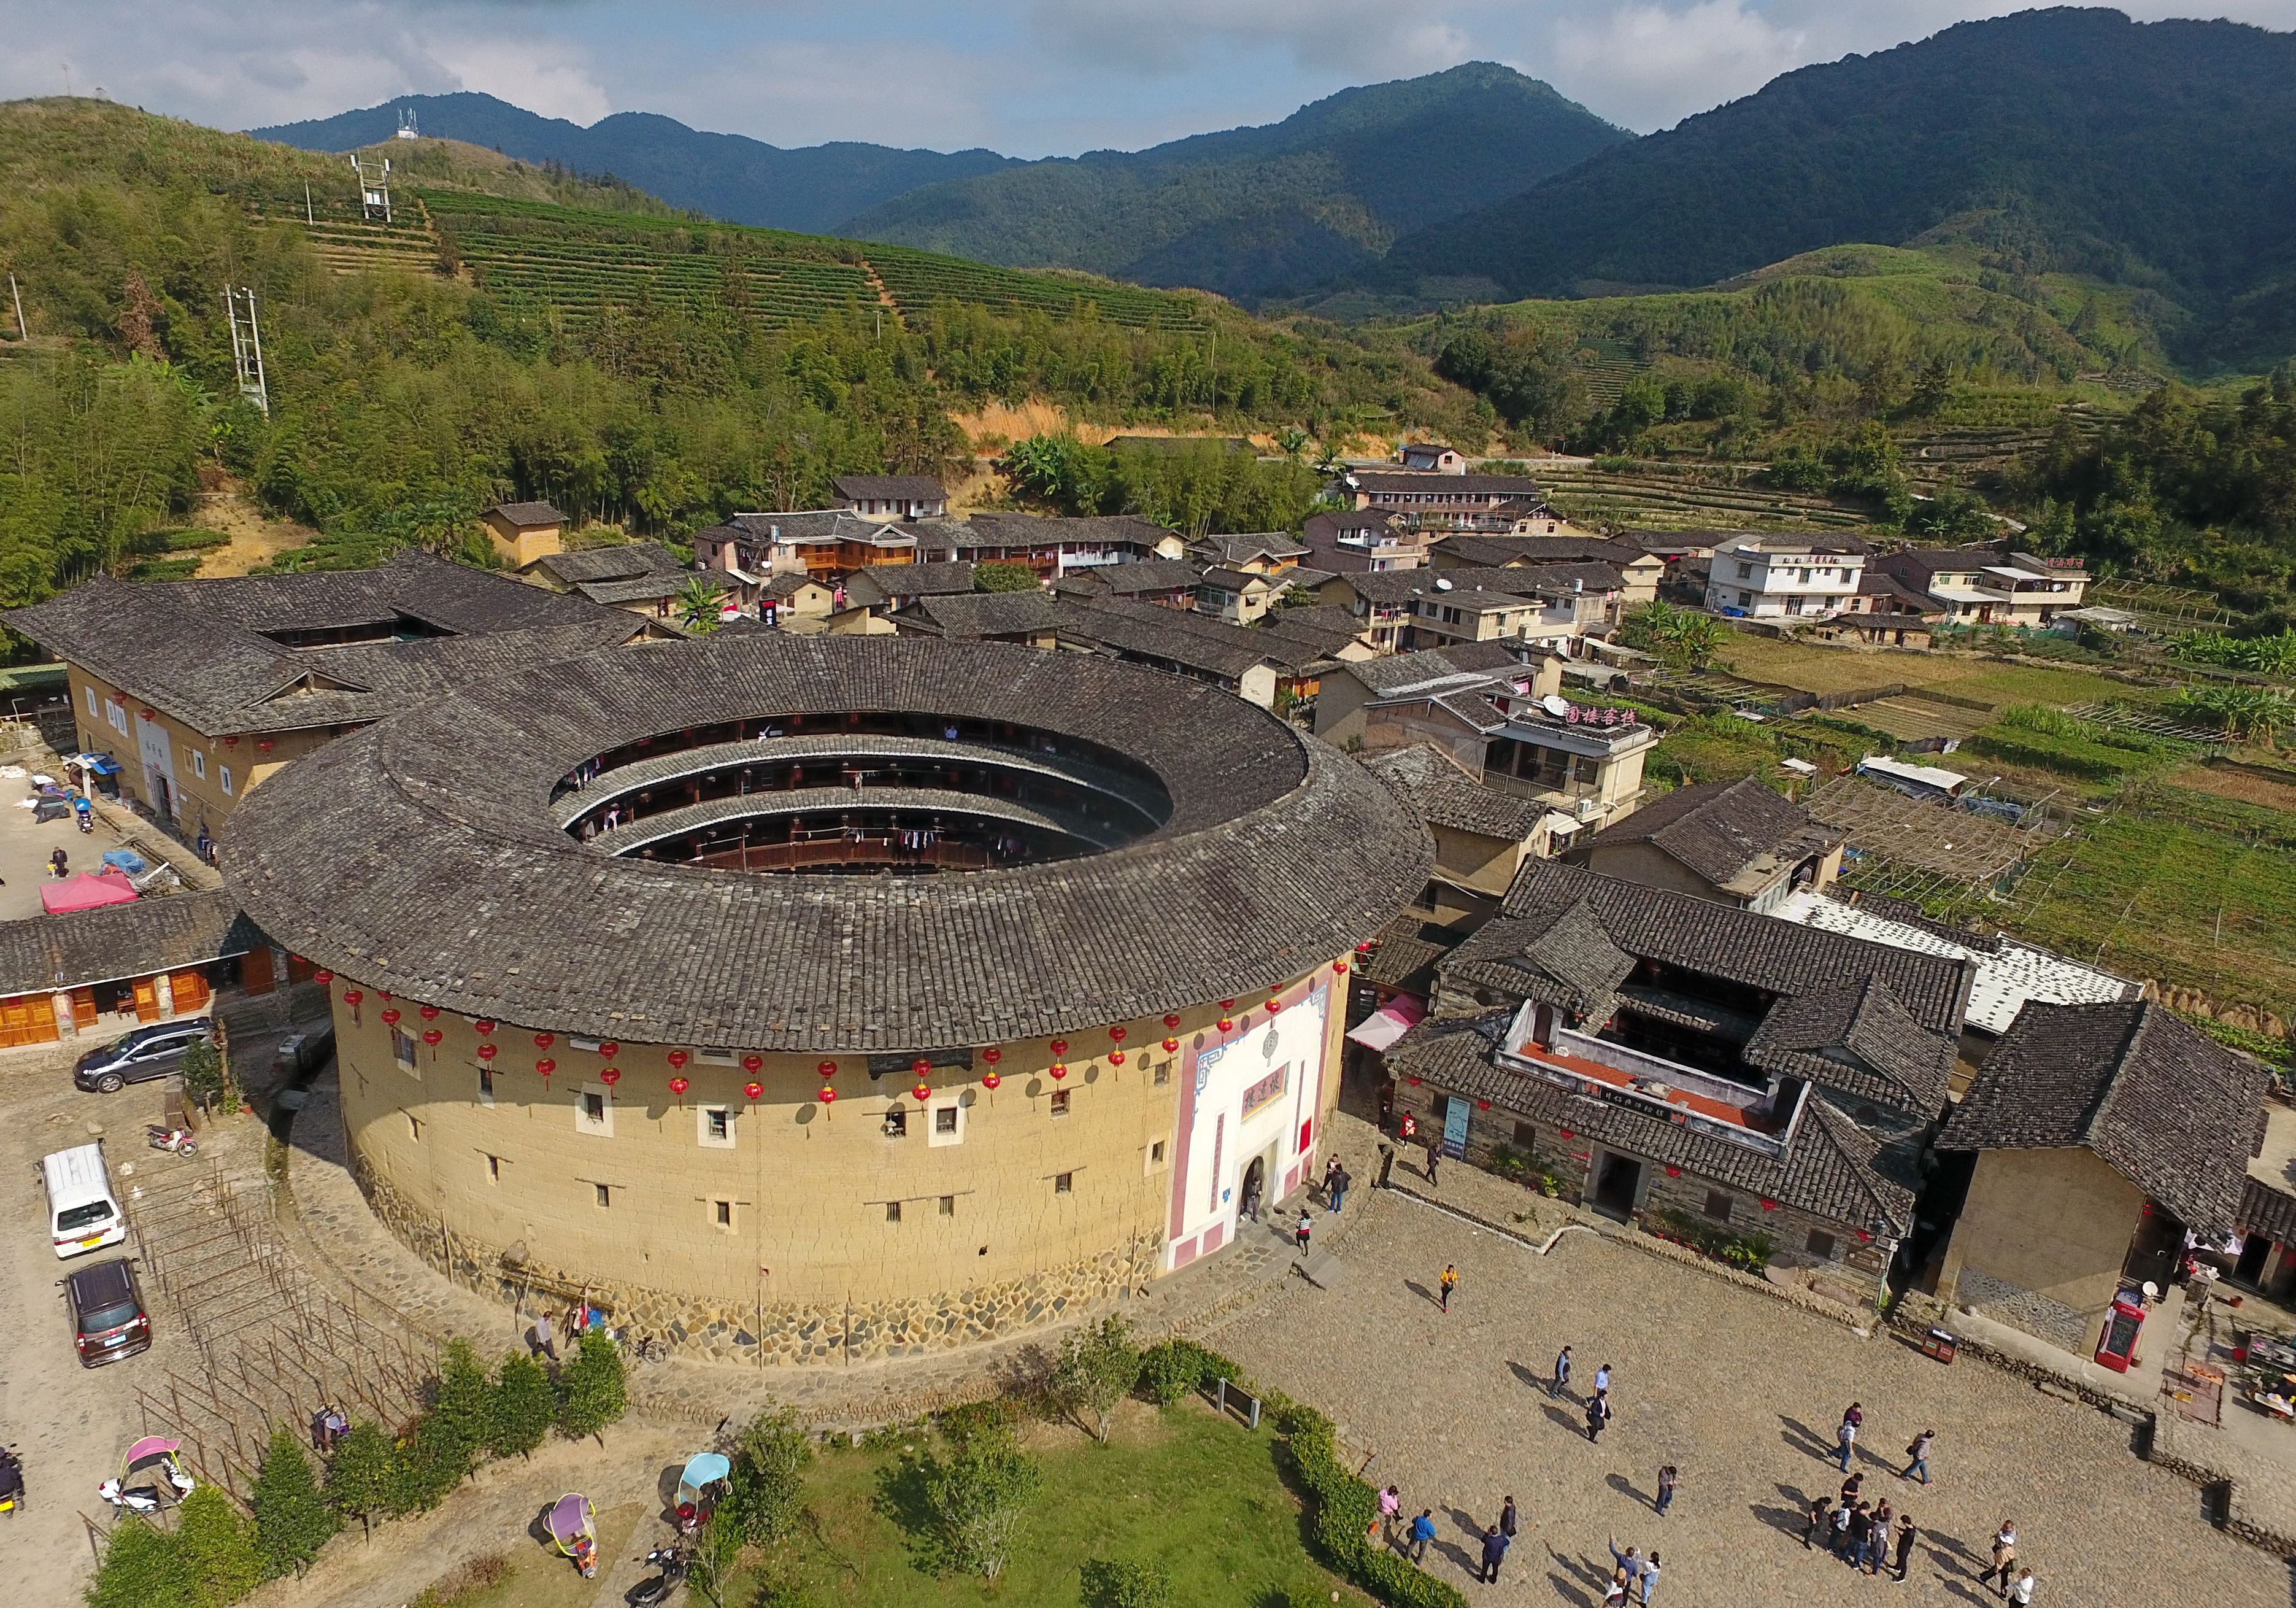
<point x="1177" y="1488"/>
<point x="2189" y="886"/>
<point x="1825" y="669"/>
<point x="539" y="1577"/>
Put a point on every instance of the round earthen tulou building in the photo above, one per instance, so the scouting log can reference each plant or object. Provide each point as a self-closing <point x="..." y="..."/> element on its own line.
<point x="815" y="999"/>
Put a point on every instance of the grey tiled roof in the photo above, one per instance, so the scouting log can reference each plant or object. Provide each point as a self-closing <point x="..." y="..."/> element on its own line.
<point x="1718" y="829"/>
<point x="196" y="649"/>
<point x="882" y="583"/>
<point x="2267" y="1210"/>
<point x="626" y="561"/>
<point x="1865" y="1018"/>
<point x="1829" y="1169"/>
<point x="1404" y="956"/>
<point x="1132" y="579"/>
<point x="390" y="856"/>
<point x="1242" y="549"/>
<point x="2155" y="1099"/>
<point x="1030" y="531"/>
<point x="651" y="588"/>
<point x="1446" y="796"/>
<point x="1497" y="551"/>
<point x="969" y="616"/>
<point x="1183" y="636"/>
<point x="528" y="516"/>
<point x="1473" y="485"/>
<point x="161" y="934"/>
<point x="896" y="488"/>
<point x="1464" y="662"/>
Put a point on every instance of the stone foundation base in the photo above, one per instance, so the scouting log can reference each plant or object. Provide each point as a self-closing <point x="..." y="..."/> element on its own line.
<point x="776" y="1335"/>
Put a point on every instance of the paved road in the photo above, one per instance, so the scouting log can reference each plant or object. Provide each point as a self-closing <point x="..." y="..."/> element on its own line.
<point x="1742" y="1393"/>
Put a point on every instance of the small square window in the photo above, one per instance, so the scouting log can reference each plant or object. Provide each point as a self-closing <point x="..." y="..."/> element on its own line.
<point x="897" y="1122"/>
<point x="225" y="772"/>
<point x="1821" y="1245"/>
<point x="1163" y="1073"/>
<point x="1064" y="1182"/>
<point x="486" y="1085"/>
<point x="92" y="709"/>
<point x="605" y="1194"/>
<point x="1526" y="1137"/>
<point x="720" y="1124"/>
<point x="593" y="1112"/>
<point x="402" y="1049"/>
<point x="722" y="1212"/>
<point x="199" y="764"/>
<point x="593" y="1107"/>
<point x="892" y="1212"/>
<point x="1718" y="1203"/>
<point x="1156" y="1151"/>
<point x="948" y="1205"/>
<point x="945" y="1120"/>
<point x="1061" y="1103"/>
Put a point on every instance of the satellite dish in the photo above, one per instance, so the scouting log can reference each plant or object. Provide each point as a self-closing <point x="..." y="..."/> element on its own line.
<point x="1556" y="705"/>
<point x="1441" y="584"/>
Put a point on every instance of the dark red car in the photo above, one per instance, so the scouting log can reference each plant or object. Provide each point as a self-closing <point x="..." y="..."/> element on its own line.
<point x="107" y="1312"/>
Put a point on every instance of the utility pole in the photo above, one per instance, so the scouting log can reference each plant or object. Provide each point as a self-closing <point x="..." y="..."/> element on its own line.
<point x="23" y="330"/>
<point x="246" y="349"/>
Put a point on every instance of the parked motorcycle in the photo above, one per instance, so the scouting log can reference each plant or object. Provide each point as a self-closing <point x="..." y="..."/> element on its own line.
<point x="176" y="1139"/>
<point x="652" y="1594"/>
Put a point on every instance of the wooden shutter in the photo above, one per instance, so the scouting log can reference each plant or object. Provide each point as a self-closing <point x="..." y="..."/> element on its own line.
<point x="28" y="1018"/>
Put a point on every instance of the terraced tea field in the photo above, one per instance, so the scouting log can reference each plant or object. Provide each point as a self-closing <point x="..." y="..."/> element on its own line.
<point x="1656" y="498"/>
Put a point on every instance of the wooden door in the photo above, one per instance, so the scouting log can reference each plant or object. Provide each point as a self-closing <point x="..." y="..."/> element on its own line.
<point x="28" y="1018"/>
<point x="147" y="1000"/>
<point x="255" y="970"/>
<point x="84" y="1008"/>
<point x="191" y="991"/>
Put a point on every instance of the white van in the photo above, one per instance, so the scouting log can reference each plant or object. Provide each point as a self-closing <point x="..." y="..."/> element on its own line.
<point x="83" y="1213"/>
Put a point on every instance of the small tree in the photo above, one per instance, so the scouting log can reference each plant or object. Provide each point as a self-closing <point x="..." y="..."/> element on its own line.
<point x="292" y="1521"/>
<point x="464" y="1413"/>
<point x="204" y="1079"/>
<point x="216" y="1546"/>
<point x="1123" y="1584"/>
<point x="1097" y="1369"/>
<point x="362" y="1473"/>
<point x="717" y="1549"/>
<point x="593" y="1391"/>
<point x="998" y="576"/>
<point x="524" y="1405"/>
<point x="767" y="1480"/>
<point x="142" y="1566"/>
<point x="979" y="1498"/>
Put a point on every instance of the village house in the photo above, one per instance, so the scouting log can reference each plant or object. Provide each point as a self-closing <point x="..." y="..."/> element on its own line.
<point x="2098" y="1138"/>
<point x="1482" y="835"/>
<point x="1365" y="539"/>
<point x="1639" y="572"/>
<point x="796" y="598"/>
<point x="1785" y="575"/>
<point x="1424" y="457"/>
<point x="1052" y="548"/>
<point x="1269" y="553"/>
<point x="1733" y="842"/>
<point x="1028" y="617"/>
<point x="1490" y="504"/>
<point x="1238" y="597"/>
<point x="1406" y="610"/>
<point x="2266" y="1260"/>
<point x="1989" y="584"/>
<point x="522" y="532"/>
<point x="826" y="544"/>
<point x="1501" y="721"/>
<point x="872" y="595"/>
<point x="203" y="689"/>
<point x="1170" y="582"/>
<point x="891" y="497"/>
<point x="645" y="578"/>
<point x="1256" y="664"/>
<point x="105" y="971"/>
<point x="1706" y="1069"/>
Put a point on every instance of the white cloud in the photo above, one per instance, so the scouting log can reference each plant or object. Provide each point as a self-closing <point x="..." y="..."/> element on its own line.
<point x="1376" y="39"/>
<point x="1647" y="66"/>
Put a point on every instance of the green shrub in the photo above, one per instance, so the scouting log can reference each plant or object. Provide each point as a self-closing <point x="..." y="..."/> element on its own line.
<point x="996" y="576"/>
<point x="430" y="1463"/>
<point x="1170" y="1370"/>
<point x="1749" y="1251"/>
<point x="593" y="1390"/>
<point x="361" y="1475"/>
<point x="464" y="1410"/>
<point x="206" y="1080"/>
<point x="979" y="1499"/>
<point x="998" y="1415"/>
<point x="292" y="1521"/>
<point x="1098" y="1368"/>
<point x="217" y="1546"/>
<point x="142" y="1568"/>
<point x="524" y="1405"/>
<point x="1347" y="1512"/>
<point x="765" y="1486"/>
<point x="1126" y="1585"/>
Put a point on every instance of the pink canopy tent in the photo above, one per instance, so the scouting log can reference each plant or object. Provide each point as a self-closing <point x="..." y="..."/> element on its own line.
<point x="85" y="892"/>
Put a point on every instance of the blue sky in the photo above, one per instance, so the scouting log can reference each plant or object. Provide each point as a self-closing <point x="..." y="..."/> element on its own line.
<point x="1028" y="77"/>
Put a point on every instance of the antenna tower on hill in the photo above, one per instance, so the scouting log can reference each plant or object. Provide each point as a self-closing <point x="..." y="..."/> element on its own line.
<point x="375" y="187"/>
<point x="407" y="127"/>
<point x="246" y="346"/>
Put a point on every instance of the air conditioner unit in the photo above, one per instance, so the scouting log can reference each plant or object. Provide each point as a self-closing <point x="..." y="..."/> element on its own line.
<point x="1588" y="807"/>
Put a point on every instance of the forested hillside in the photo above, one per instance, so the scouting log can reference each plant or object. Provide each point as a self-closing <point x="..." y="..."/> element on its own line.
<point x="405" y="399"/>
<point x="2160" y="157"/>
<point x="745" y="181"/>
<point x="1253" y="212"/>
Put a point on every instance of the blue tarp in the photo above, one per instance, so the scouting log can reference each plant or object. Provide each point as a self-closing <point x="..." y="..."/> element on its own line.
<point x="127" y="860"/>
<point x="103" y="765"/>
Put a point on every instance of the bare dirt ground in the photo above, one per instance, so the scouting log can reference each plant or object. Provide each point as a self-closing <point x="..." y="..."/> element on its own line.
<point x="256" y="537"/>
<point x="2245" y="786"/>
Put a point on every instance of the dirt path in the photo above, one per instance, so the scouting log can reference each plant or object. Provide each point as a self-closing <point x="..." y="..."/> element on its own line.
<point x="256" y="537"/>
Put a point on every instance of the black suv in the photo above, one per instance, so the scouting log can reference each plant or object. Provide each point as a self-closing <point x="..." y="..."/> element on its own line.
<point x="107" y="1312"/>
<point x="143" y="1054"/>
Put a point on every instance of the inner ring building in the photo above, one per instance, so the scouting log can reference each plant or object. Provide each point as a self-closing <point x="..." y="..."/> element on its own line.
<point x="819" y="999"/>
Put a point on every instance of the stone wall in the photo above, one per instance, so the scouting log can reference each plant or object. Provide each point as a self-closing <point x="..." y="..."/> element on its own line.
<point x="793" y="1334"/>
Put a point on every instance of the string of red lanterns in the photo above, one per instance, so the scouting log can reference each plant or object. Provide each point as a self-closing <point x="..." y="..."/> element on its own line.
<point x="828" y="1070"/>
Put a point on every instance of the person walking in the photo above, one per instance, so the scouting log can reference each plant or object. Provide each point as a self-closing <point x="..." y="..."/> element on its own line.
<point x="1666" y="1482"/>
<point x="1918" y="1455"/>
<point x="1331" y="1173"/>
<point x="1448" y="1282"/>
<point x="2022" y="1593"/>
<point x="2005" y="1556"/>
<point x="542" y="1345"/>
<point x="1603" y="1379"/>
<point x="1562" y="1372"/>
<point x="1434" y="1157"/>
<point x="1303" y="1231"/>
<point x="1861" y="1530"/>
<point x="1390" y="1508"/>
<point x="1629" y="1570"/>
<point x="1877" y="1540"/>
<point x="1508" y="1523"/>
<point x="1838" y="1541"/>
<point x="1821" y="1517"/>
<point x="1905" y="1534"/>
<point x="1252" y="1202"/>
<point x="1650" y="1577"/>
<point x="1423" y="1530"/>
<point x="1598" y="1416"/>
<point x="1495" y="1546"/>
<point x="1338" y="1188"/>
<point x="1847" y="1438"/>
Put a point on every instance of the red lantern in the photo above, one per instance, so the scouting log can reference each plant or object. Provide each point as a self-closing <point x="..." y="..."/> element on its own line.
<point x="609" y="1050"/>
<point x="1566" y="1133"/>
<point x="678" y="1086"/>
<point x="1864" y="1238"/>
<point x="1119" y="1034"/>
<point x="827" y="1094"/>
<point x="263" y="743"/>
<point x="1483" y="1105"/>
<point x="1768" y="1204"/>
<point x="351" y="996"/>
<point x="921" y="1067"/>
<point x="1364" y="947"/>
<point x="991" y="1080"/>
<point x="155" y="715"/>
<point x="1339" y="966"/>
<point x="1171" y="1021"/>
<point x="391" y="1018"/>
<point x="923" y="1091"/>
<point x="546" y="1066"/>
<point x="1172" y="1044"/>
<point x="230" y="743"/>
<point x="992" y="1055"/>
<point x="754" y="1090"/>
<point x="1674" y="1172"/>
<point x="1059" y="1048"/>
<point x="1059" y="1072"/>
<point x="486" y="1052"/>
<point x="429" y="1013"/>
<point x="543" y="1041"/>
<point x="1274" y="1005"/>
<point x="827" y="1069"/>
<point x="1117" y="1059"/>
<point x="1226" y="1025"/>
<point x="433" y="1037"/>
<point x="610" y="1076"/>
<point x="1413" y="1082"/>
<point x="483" y="1028"/>
<point x="677" y="1058"/>
<point x="1227" y="1005"/>
<point x="322" y="977"/>
<point x="753" y="1064"/>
